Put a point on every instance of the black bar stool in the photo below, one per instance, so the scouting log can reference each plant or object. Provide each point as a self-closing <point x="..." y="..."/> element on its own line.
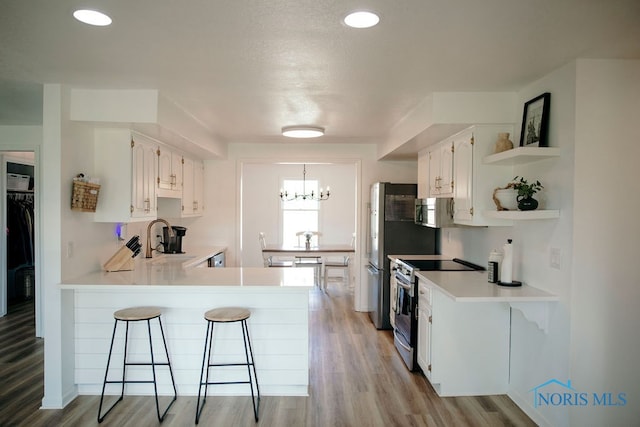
<point x="136" y="314"/>
<point x="227" y="315"/>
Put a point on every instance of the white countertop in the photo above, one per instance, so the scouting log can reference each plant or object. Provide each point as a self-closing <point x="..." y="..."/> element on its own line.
<point x="193" y="256"/>
<point x="472" y="286"/>
<point x="174" y="270"/>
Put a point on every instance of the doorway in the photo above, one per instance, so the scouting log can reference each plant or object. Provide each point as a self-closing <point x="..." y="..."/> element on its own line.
<point x="17" y="195"/>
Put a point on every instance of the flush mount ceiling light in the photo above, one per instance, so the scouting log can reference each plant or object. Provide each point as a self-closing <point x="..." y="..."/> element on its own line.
<point x="361" y="19"/>
<point x="92" y="17"/>
<point x="302" y="131"/>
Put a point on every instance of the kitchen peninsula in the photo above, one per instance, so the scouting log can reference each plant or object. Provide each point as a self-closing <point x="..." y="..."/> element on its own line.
<point x="279" y="325"/>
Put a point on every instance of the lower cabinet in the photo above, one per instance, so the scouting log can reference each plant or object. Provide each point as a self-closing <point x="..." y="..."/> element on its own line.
<point x="463" y="347"/>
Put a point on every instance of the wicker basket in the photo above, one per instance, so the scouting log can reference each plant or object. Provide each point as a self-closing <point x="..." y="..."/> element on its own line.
<point x="84" y="197"/>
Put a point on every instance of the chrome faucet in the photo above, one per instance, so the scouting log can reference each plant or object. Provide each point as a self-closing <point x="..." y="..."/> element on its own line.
<point x="171" y="234"/>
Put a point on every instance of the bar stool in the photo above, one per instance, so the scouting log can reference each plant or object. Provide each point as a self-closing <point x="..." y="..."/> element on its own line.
<point x="227" y="315"/>
<point x="136" y="314"/>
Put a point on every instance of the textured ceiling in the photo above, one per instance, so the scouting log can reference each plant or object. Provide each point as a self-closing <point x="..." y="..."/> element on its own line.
<point x="246" y="68"/>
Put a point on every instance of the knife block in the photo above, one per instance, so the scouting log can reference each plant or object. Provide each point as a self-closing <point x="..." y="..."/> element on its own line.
<point x="120" y="261"/>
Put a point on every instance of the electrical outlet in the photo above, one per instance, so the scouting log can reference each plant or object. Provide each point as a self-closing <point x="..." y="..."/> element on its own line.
<point x="555" y="258"/>
<point x="69" y="249"/>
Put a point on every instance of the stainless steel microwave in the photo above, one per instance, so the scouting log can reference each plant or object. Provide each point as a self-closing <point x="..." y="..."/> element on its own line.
<point x="435" y="212"/>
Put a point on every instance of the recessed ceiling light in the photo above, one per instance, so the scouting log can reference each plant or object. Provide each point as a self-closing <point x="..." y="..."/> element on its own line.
<point x="92" y="17"/>
<point x="361" y="19"/>
<point x="302" y="131"/>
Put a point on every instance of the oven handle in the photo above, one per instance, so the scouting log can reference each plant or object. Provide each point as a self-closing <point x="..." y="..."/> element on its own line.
<point x="402" y="284"/>
<point x="399" y="341"/>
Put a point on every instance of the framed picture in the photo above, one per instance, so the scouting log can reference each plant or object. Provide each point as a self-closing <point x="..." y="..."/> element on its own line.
<point x="535" y="122"/>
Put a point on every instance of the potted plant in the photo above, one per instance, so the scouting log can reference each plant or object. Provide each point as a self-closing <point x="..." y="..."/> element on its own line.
<point x="526" y="190"/>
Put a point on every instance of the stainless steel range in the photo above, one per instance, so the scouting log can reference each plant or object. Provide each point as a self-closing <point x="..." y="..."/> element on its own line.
<point x="405" y="331"/>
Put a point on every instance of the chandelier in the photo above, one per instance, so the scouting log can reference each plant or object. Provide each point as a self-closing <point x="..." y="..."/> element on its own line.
<point x="285" y="197"/>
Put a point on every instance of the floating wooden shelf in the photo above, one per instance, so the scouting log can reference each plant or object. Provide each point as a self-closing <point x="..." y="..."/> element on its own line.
<point x="523" y="215"/>
<point x="522" y="155"/>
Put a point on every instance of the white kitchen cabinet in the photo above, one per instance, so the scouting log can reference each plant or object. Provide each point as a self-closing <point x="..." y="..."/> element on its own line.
<point x="191" y="204"/>
<point x="424" y="329"/>
<point x="441" y="182"/>
<point x="474" y="180"/>
<point x="126" y="163"/>
<point x="169" y="173"/>
<point x="193" y="188"/>
<point x="464" y="350"/>
<point x="423" y="174"/>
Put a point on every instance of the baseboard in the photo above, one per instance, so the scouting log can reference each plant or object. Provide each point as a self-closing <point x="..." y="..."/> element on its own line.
<point x="533" y="413"/>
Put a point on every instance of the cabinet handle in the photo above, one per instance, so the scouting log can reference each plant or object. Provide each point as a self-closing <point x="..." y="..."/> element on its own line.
<point x="430" y="319"/>
<point x="195" y="205"/>
<point x="147" y="205"/>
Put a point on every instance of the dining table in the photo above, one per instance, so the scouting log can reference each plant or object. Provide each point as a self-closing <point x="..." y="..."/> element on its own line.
<point x="323" y="250"/>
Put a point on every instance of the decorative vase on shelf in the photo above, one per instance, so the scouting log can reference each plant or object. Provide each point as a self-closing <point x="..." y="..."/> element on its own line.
<point x="527" y="204"/>
<point x="505" y="199"/>
<point x="503" y="143"/>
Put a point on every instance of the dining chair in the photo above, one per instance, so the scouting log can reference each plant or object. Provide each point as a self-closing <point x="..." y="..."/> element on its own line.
<point x="269" y="261"/>
<point x="311" y="260"/>
<point x="338" y="264"/>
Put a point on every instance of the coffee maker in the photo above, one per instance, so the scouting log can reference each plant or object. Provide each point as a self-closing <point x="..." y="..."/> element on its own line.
<point x="173" y="244"/>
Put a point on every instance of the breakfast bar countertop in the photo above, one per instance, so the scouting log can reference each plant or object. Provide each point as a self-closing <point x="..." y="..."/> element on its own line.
<point x="180" y="270"/>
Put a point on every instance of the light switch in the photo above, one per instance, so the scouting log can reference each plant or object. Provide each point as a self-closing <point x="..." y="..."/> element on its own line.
<point x="555" y="258"/>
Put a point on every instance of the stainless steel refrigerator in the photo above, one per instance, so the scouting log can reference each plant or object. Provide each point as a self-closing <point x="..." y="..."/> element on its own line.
<point x="393" y="231"/>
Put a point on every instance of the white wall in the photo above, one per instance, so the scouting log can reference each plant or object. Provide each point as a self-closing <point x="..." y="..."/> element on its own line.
<point x="261" y="206"/>
<point x="605" y="342"/>
<point x="537" y="356"/>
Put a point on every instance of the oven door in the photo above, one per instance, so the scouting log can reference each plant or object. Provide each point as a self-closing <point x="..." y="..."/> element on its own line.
<point x="404" y="307"/>
<point x="404" y="331"/>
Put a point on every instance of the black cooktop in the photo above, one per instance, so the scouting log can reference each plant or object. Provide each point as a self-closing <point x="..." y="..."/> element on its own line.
<point x="442" y="265"/>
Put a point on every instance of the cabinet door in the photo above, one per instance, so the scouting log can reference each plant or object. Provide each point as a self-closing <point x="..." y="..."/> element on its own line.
<point x="463" y="178"/>
<point x="424" y="336"/>
<point x="150" y="175"/>
<point x="169" y="170"/>
<point x="143" y="185"/>
<point x="423" y="174"/>
<point x="446" y="169"/>
<point x="165" y="171"/>
<point x="187" y="186"/>
<point x="434" y="172"/>
<point x="198" y="188"/>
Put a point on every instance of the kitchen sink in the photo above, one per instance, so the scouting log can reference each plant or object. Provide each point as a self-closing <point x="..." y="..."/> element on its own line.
<point x="167" y="258"/>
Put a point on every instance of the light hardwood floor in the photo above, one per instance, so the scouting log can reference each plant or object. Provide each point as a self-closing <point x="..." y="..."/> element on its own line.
<point x="356" y="376"/>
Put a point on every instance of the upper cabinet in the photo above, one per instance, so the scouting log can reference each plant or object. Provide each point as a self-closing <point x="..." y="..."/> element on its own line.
<point x="191" y="203"/>
<point x="193" y="194"/>
<point x="441" y="169"/>
<point x="169" y="173"/>
<point x="126" y="163"/>
<point x="423" y="174"/>
<point x="474" y="181"/>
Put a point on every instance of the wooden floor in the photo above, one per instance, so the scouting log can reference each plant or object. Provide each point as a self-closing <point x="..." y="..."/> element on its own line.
<point x="356" y="376"/>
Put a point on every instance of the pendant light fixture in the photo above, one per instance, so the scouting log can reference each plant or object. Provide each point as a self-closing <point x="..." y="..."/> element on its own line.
<point x="285" y="197"/>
